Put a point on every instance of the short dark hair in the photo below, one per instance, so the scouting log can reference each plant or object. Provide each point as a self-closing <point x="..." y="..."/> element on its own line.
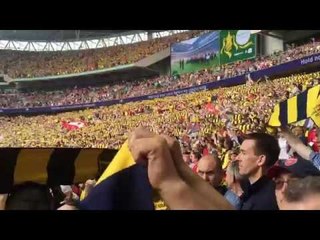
<point x="299" y="188"/>
<point x="267" y="145"/>
<point x="196" y="154"/>
<point x="228" y="142"/>
<point x="29" y="196"/>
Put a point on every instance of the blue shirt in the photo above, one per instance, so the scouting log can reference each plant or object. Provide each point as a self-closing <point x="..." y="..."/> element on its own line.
<point x="315" y="159"/>
<point x="233" y="199"/>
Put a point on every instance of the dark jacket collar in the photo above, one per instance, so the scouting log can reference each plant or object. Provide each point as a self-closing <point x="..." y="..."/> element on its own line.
<point x="251" y="188"/>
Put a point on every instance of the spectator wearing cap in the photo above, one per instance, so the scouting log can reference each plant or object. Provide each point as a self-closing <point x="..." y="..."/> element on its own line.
<point x="303" y="194"/>
<point x="301" y="149"/>
<point x="258" y="152"/>
<point x="233" y="180"/>
<point x="284" y="171"/>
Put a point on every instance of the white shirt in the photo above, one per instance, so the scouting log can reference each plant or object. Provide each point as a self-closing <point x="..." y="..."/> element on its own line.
<point x="283" y="148"/>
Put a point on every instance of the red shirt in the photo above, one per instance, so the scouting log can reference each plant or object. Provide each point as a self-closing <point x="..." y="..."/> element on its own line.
<point x="312" y="137"/>
<point x="205" y="151"/>
<point x="76" y="190"/>
<point x="195" y="168"/>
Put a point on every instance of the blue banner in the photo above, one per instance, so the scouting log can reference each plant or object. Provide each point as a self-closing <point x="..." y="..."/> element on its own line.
<point x="212" y="85"/>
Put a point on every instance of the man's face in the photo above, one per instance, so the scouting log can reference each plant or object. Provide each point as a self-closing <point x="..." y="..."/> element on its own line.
<point x="186" y="158"/>
<point x="208" y="171"/>
<point x="281" y="182"/>
<point x="193" y="158"/>
<point x="248" y="160"/>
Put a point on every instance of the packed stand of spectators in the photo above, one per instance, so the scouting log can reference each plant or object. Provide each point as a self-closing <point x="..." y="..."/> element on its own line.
<point x="222" y="131"/>
<point x="125" y="89"/>
<point x="20" y="64"/>
<point x="191" y="117"/>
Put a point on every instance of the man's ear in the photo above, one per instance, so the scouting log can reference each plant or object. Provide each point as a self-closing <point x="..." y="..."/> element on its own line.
<point x="261" y="160"/>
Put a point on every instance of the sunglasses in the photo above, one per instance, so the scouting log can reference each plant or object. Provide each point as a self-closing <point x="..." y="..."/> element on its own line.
<point x="280" y="182"/>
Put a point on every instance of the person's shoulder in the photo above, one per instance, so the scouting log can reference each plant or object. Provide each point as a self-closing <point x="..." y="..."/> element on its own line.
<point x="265" y="198"/>
<point x="266" y="189"/>
<point x="267" y="203"/>
<point x="269" y="185"/>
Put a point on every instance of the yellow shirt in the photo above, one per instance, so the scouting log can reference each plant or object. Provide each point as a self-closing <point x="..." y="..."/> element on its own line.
<point x="226" y="160"/>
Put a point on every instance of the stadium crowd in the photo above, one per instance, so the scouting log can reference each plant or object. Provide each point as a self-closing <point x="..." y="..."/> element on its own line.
<point x="223" y="136"/>
<point x="125" y="89"/>
<point x="213" y="113"/>
<point x="20" y="64"/>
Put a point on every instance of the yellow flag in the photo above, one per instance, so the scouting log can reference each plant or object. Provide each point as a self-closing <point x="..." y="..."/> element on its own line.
<point x="304" y="105"/>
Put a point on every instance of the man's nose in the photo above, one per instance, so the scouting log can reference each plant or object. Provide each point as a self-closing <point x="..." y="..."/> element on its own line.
<point x="205" y="177"/>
